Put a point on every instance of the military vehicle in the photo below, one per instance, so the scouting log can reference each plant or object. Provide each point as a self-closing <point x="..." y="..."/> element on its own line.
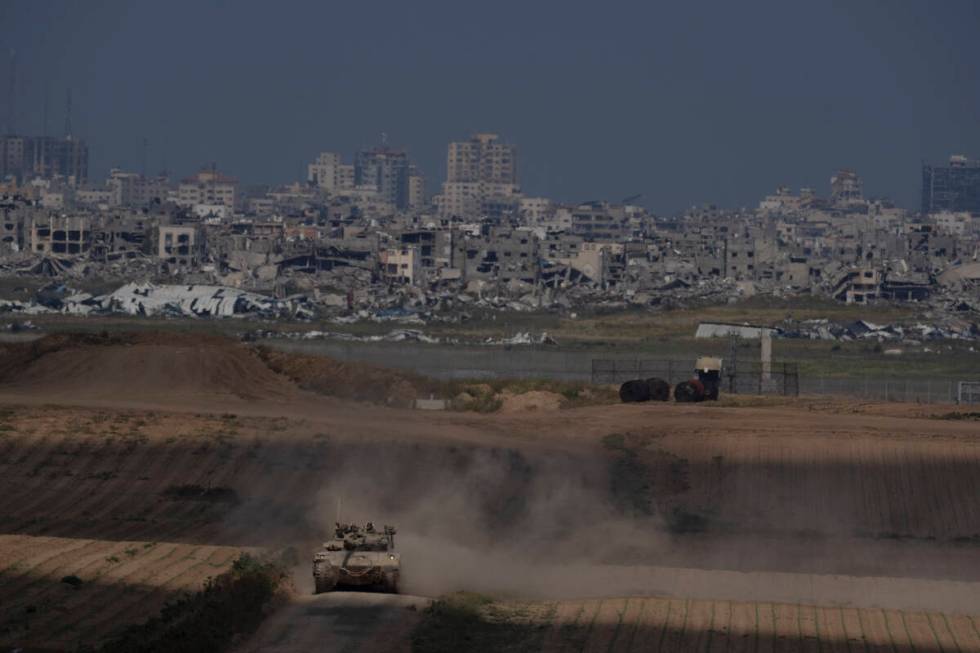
<point x="705" y="385"/>
<point x="709" y="374"/>
<point x="357" y="557"/>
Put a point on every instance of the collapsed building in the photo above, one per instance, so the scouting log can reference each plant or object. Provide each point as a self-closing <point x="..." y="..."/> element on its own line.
<point x="350" y="248"/>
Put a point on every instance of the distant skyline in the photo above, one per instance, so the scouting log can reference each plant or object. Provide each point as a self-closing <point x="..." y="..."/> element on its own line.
<point x="706" y="102"/>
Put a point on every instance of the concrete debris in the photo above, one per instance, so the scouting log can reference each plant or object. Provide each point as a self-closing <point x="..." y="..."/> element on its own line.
<point x="397" y="335"/>
<point x="304" y="253"/>
<point x="163" y="300"/>
<point x="522" y="339"/>
<point x="911" y="334"/>
<point x="18" y="327"/>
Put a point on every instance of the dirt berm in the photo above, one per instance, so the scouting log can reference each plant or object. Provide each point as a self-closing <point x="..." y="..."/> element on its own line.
<point x="139" y="365"/>
<point x="346" y="380"/>
<point x="155" y="365"/>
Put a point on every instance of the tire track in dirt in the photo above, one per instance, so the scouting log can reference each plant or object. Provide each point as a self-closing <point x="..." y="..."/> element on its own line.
<point x="24" y="478"/>
<point x="698" y="626"/>
<point x="967" y="633"/>
<point x="75" y="606"/>
<point x="216" y="561"/>
<point x="53" y="496"/>
<point x="606" y="627"/>
<point x="682" y="626"/>
<point x="923" y="635"/>
<point x="674" y="626"/>
<point x="82" y="485"/>
<point x="109" y="495"/>
<point x="56" y="624"/>
<point x="875" y="627"/>
<point x="22" y="569"/>
<point x="744" y="632"/>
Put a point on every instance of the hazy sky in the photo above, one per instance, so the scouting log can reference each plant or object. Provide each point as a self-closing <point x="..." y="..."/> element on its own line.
<point x="685" y="102"/>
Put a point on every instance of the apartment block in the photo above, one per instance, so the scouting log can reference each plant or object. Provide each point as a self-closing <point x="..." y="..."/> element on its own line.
<point x="953" y="187"/>
<point x="210" y="187"/>
<point x="481" y="178"/>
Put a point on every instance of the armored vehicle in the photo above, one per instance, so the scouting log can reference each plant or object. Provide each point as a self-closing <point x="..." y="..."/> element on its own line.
<point x="709" y="374"/>
<point x="358" y="557"/>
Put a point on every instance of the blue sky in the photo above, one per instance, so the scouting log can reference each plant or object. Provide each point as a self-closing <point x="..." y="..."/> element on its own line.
<point x="686" y="103"/>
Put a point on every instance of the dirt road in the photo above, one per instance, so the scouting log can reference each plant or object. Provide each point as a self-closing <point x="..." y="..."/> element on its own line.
<point x="340" y="622"/>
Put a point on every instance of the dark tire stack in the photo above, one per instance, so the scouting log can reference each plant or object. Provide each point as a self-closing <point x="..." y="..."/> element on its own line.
<point x="689" y="391"/>
<point x="634" y="391"/>
<point x="659" y="389"/>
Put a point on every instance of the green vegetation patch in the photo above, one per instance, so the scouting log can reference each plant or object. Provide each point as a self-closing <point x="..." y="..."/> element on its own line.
<point x="477" y="623"/>
<point x="681" y="520"/>
<point x="486" y="396"/>
<point x="212" y="620"/>
<point x="968" y="417"/>
<point x="629" y="477"/>
<point x="647" y="480"/>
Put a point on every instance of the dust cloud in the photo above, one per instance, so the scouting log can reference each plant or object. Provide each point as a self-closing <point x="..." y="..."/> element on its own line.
<point x="486" y="520"/>
<point x="549" y="524"/>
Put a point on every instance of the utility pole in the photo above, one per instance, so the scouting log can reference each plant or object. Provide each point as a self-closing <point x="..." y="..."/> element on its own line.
<point x="44" y="115"/>
<point x="68" y="116"/>
<point x="733" y="362"/>
<point x="11" y="105"/>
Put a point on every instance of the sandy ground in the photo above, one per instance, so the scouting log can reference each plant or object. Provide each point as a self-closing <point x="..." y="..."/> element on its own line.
<point x="340" y="622"/>
<point x="837" y="504"/>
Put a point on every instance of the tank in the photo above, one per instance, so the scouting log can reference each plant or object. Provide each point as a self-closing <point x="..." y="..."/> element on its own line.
<point x="357" y="557"/>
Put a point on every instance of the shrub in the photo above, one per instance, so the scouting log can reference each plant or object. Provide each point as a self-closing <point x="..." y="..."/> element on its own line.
<point x="72" y="580"/>
<point x="209" y="621"/>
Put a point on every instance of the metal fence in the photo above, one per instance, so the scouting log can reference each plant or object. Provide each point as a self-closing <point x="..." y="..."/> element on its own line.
<point x="968" y="392"/>
<point x="754" y="378"/>
<point x="610" y="370"/>
<point x="458" y="362"/>
<point x="745" y="377"/>
<point x="873" y="388"/>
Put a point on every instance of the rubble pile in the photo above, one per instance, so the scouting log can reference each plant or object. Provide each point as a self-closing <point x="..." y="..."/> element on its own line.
<point x="162" y="300"/>
<point x="396" y="335"/>
<point x="910" y="334"/>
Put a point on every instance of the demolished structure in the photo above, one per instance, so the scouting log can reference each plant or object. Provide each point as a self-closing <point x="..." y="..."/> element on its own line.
<point x="360" y="243"/>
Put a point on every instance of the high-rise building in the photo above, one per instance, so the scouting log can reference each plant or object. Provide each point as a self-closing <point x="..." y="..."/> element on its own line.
<point x="47" y="157"/>
<point x="416" y="190"/>
<point x="387" y="171"/>
<point x="133" y="189"/>
<point x="329" y="173"/>
<point x="846" y="187"/>
<point x="12" y="157"/>
<point x="208" y="187"/>
<point x="481" y="177"/>
<point x="484" y="159"/>
<point x="60" y="157"/>
<point x="953" y="187"/>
